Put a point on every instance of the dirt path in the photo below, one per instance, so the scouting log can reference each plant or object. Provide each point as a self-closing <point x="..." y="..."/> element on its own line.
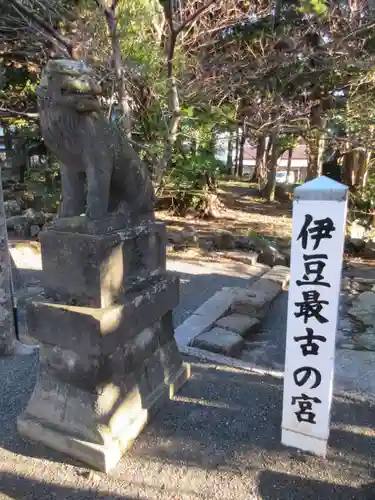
<point x="244" y="214"/>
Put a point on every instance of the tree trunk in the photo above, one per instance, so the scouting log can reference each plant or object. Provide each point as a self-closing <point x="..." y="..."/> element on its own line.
<point x="174" y="110"/>
<point x="361" y="166"/>
<point x="271" y="176"/>
<point x="8" y="144"/>
<point x="369" y="159"/>
<point x="365" y="163"/>
<point x="236" y="160"/>
<point x="272" y="158"/>
<point x="263" y="178"/>
<point x="289" y="164"/>
<point x="242" y="149"/>
<point x="315" y="143"/>
<point x="126" y="119"/>
<point x="259" y="160"/>
<point x="315" y="161"/>
<point x="211" y="146"/>
<point x="20" y="159"/>
<point x="349" y="168"/>
<point x="174" y="122"/>
<point x="277" y="12"/>
<point x="230" y="154"/>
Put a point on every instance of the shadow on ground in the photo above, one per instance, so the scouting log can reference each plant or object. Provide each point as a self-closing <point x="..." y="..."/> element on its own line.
<point x="276" y="486"/>
<point x="19" y="487"/>
<point x="222" y="431"/>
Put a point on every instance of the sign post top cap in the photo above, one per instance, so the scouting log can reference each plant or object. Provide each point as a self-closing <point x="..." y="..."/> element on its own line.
<point x="321" y="188"/>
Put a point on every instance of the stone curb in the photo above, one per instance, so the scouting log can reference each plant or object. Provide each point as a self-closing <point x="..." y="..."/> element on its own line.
<point x="357" y="397"/>
<point x="252" y="301"/>
<point x="227" y="361"/>
<point x="208" y="313"/>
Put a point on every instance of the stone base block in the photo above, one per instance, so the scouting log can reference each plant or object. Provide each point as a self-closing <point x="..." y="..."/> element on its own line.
<point x="96" y="270"/>
<point x="81" y="329"/>
<point x="111" y="223"/>
<point x="97" y="429"/>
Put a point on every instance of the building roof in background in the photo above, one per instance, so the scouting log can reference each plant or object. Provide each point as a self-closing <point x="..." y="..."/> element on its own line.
<point x="299" y="153"/>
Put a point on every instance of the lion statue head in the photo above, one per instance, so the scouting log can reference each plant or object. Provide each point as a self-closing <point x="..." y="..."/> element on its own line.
<point x="69" y="83"/>
<point x="84" y="141"/>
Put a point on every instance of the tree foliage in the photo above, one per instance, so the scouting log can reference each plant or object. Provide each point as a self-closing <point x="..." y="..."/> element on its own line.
<point x="180" y="72"/>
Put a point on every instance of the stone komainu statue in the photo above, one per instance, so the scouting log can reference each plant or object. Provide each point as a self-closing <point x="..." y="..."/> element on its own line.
<point x="89" y="147"/>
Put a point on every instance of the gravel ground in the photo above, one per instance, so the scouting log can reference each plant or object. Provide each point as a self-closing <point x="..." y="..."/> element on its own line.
<point x="219" y="439"/>
<point x="354" y="369"/>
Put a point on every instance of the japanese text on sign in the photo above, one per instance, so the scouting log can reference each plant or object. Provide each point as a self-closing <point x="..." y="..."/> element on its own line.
<point x="311" y="307"/>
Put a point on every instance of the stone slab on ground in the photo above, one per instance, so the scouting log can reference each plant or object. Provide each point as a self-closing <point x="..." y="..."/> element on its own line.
<point x="217" y="305"/>
<point x="366" y="340"/>
<point x="355" y="373"/>
<point x="239" y="323"/>
<point x="269" y="287"/>
<point x="204" y="317"/>
<point x="250" y="258"/>
<point x="252" y="301"/>
<point x="278" y="274"/>
<point x="221" y="341"/>
<point x="193" y="326"/>
<point x="256" y="300"/>
<point x="260" y="269"/>
<point x="364" y="308"/>
<point x="201" y="280"/>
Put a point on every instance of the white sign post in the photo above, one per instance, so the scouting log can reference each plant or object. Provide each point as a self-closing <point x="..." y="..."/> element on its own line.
<point x="319" y="216"/>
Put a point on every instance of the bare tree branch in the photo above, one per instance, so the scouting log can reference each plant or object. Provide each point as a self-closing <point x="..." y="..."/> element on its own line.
<point x="194" y="16"/>
<point x="45" y="26"/>
<point x="5" y="112"/>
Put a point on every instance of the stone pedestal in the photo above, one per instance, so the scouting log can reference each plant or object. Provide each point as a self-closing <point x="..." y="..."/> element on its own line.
<point x="109" y="359"/>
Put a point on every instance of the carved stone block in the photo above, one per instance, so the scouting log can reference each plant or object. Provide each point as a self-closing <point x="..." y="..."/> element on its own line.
<point x="109" y="361"/>
<point x="97" y="428"/>
<point x="97" y="269"/>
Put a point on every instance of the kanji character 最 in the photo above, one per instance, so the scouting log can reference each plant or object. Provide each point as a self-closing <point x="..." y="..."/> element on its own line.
<point x="311" y="307"/>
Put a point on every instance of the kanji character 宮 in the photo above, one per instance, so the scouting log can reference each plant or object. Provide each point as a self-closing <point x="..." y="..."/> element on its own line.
<point x="305" y="413"/>
<point x="311" y="307"/>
